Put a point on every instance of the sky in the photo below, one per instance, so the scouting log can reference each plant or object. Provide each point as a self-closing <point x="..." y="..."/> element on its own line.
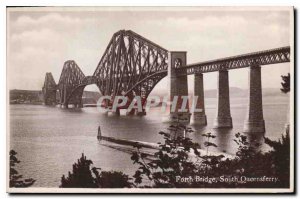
<point x="40" y="40"/>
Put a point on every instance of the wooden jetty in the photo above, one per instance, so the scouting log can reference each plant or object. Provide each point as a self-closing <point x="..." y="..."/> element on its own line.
<point x="127" y="142"/>
<point x="150" y="145"/>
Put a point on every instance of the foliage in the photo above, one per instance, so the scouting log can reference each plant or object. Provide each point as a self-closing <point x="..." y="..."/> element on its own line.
<point x="178" y="163"/>
<point x="281" y="158"/>
<point x="15" y="179"/>
<point x="112" y="179"/>
<point x="286" y="83"/>
<point x="171" y="160"/>
<point x="83" y="176"/>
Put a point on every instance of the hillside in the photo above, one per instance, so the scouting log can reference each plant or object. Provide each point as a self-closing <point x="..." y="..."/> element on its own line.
<point x="36" y="97"/>
<point x="238" y="92"/>
<point x="234" y="92"/>
<point x="91" y="97"/>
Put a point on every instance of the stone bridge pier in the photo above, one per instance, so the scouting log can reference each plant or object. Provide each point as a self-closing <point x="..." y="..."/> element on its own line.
<point x="139" y="64"/>
<point x="223" y="119"/>
<point x="64" y="103"/>
<point x="254" y="119"/>
<point x="178" y="87"/>
<point x="199" y="117"/>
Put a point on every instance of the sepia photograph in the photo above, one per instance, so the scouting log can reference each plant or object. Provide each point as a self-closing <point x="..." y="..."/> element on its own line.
<point x="150" y="100"/>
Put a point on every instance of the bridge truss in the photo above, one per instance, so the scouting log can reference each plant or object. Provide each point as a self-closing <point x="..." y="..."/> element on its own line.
<point x="69" y="84"/>
<point x="131" y="65"/>
<point x="49" y="90"/>
<point x="273" y="56"/>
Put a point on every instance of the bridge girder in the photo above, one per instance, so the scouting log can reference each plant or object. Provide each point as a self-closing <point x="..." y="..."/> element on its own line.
<point x="272" y="56"/>
<point x="49" y="90"/>
<point x="71" y="77"/>
<point x="131" y="63"/>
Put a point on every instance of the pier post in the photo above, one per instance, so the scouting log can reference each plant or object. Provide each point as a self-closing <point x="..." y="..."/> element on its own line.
<point x="178" y="86"/>
<point x="116" y="113"/>
<point x="223" y="119"/>
<point x="79" y="105"/>
<point x="130" y="113"/>
<point x="287" y="125"/>
<point x="199" y="118"/>
<point x="65" y="104"/>
<point x="254" y="122"/>
<point x="99" y="135"/>
<point x="140" y="113"/>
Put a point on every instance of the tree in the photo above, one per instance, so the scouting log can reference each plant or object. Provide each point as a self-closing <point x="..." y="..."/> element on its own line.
<point x="172" y="160"/>
<point x="15" y="179"/>
<point x="179" y="157"/>
<point x="83" y="176"/>
<point x="286" y="83"/>
<point x="281" y="158"/>
<point x="112" y="179"/>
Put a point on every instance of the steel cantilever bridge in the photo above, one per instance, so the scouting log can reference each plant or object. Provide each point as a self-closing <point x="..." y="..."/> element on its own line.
<point x="132" y="65"/>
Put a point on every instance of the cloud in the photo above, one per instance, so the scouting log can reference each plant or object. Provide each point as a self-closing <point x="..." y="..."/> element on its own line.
<point x="39" y="39"/>
<point x="53" y="21"/>
<point x="40" y="42"/>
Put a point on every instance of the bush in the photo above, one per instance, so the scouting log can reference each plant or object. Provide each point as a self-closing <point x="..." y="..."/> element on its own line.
<point x="178" y="163"/>
<point x="83" y="176"/>
<point x="15" y="179"/>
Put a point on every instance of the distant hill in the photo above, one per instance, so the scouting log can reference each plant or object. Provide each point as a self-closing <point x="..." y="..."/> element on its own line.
<point x="238" y="92"/>
<point x="36" y="97"/>
<point x="235" y="92"/>
<point x="273" y="92"/>
<point x="25" y="96"/>
<point x="91" y="97"/>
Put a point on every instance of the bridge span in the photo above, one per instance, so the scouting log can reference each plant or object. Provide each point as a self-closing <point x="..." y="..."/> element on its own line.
<point x="132" y="65"/>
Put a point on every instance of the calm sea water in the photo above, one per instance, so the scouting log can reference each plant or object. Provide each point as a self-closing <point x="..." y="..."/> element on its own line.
<point x="49" y="140"/>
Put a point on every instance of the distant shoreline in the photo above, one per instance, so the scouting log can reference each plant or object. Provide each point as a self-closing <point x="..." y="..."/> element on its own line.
<point x="35" y="97"/>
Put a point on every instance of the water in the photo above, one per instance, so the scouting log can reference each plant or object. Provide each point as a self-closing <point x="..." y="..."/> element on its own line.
<point x="49" y="140"/>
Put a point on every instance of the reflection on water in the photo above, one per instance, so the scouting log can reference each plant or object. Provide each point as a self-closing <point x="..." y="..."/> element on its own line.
<point x="256" y="140"/>
<point x="49" y="139"/>
<point x="224" y="141"/>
